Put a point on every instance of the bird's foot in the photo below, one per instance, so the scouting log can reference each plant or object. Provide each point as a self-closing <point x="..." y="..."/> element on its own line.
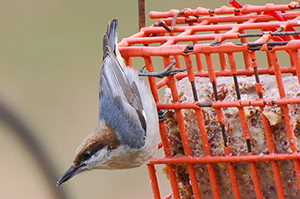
<point x="163" y="73"/>
<point x="162" y="115"/>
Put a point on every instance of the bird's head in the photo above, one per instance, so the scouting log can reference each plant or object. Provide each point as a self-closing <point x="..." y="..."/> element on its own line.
<point x="93" y="153"/>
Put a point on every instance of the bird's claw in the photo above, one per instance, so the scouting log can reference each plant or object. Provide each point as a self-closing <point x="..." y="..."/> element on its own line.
<point x="163" y="73"/>
<point x="162" y="115"/>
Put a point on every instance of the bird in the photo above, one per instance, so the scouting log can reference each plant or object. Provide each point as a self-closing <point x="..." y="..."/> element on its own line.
<point x="127" y="135"/>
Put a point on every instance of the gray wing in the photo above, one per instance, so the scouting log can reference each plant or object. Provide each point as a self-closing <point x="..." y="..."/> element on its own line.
<point x="120" y="103"/>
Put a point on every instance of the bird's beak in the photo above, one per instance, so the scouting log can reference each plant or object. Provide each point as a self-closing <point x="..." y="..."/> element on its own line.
<point x="72" y="171"/>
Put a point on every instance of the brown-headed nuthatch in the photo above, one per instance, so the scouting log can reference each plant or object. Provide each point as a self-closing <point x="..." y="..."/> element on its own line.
<point x="127" y="134"/>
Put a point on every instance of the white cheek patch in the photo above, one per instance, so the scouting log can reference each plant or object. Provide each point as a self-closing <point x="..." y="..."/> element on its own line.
<point x="100" y="157"/>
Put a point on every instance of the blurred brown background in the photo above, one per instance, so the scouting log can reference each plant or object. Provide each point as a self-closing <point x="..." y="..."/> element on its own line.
<point x="50" y="59"/>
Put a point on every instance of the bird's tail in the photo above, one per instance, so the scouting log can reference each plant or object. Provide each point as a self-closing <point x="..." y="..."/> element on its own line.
<point x="112" y="40"/>
<point x="112" y="32"/>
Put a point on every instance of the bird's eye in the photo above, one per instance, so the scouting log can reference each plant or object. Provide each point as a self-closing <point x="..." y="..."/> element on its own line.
<point x="86" y="154"/>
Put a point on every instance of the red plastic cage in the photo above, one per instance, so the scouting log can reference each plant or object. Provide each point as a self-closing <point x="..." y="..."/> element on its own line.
<point x="266" y="39"/>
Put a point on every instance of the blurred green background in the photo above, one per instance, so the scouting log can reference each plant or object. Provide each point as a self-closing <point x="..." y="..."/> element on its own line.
<point x="50" y="60"/>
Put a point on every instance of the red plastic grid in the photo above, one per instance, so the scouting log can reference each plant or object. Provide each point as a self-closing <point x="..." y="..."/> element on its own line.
<point x="194" y="34"/>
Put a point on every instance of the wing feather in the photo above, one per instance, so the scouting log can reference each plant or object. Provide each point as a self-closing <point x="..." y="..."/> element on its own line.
<point x="120" y="101"/>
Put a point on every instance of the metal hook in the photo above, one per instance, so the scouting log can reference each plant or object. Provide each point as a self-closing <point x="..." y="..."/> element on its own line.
<point x="163" y="23"/>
